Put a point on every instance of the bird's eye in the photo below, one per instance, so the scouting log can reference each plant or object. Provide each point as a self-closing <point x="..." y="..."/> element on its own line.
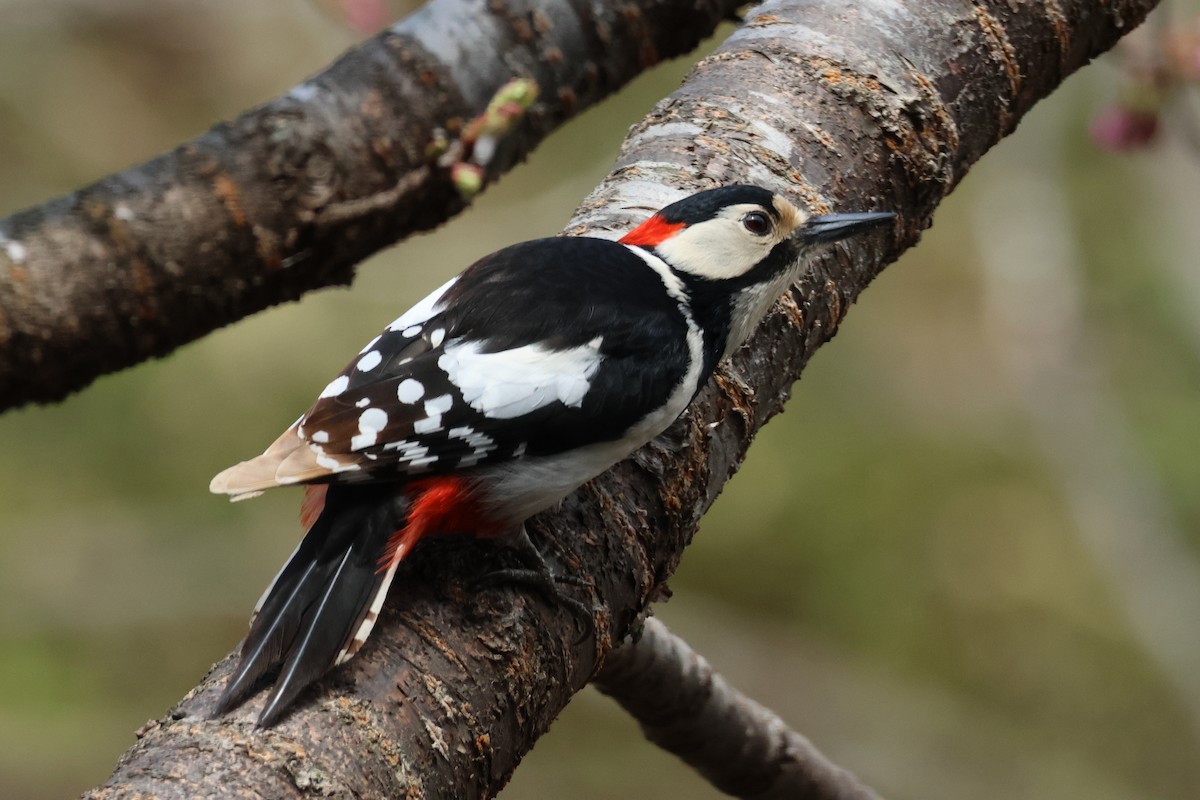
<point x="757" y="223"/>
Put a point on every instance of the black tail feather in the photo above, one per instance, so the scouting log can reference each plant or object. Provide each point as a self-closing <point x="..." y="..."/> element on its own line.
<point x="273" y="630"/>
<point x="331" y="621"/>
<point x="319" y="598"/>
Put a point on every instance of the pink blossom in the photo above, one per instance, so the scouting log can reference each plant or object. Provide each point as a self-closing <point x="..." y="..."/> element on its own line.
<point x="1119" y="129"/>
<point x="366" y="16"/>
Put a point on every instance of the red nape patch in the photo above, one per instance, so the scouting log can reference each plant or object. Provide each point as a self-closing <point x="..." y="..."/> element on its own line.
<point x="443" y="505"/>
<point x="652" y="232"/>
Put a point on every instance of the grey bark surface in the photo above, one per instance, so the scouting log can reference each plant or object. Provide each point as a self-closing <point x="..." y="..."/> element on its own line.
<point x="846" y="106"/>
<point x="739" y="746"/>
<point x="291" y="195"/>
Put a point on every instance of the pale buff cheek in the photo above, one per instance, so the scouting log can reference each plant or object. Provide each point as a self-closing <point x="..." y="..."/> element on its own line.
<point x="717" y="250"/>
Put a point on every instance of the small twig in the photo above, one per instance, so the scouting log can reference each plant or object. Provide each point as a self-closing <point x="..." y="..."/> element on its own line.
<point x="336" y="213"/>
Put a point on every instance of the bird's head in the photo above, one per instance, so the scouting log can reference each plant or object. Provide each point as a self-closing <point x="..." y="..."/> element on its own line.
<point x="741" y="233"/>
<point x="739" y="247"/>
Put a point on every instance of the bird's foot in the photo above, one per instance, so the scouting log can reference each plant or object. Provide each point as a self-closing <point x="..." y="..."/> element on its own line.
<point x="538" y="576"/>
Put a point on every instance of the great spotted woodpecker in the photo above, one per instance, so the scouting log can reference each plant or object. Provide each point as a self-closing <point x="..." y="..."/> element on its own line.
<point x="533" y="371"/>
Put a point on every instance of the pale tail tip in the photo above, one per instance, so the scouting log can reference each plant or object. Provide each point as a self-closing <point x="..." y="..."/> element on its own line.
<point x="222" y="484"/>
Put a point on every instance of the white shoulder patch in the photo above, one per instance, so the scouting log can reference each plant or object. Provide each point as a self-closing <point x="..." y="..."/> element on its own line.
<point x="423" y="310"/>
<point x="512" y="383"/>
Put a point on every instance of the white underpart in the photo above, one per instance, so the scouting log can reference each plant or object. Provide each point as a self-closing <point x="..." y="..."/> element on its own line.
<point x="752" y="304"/>
<point x="422" y="311"/>
<point x="513" y="383"/>
<point x="520" y="488"/>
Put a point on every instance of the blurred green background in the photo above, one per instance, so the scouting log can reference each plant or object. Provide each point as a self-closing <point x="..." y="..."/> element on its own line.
<point x="964" y="562"/>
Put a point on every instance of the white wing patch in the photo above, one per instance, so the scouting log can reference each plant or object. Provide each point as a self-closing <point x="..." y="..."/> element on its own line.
<point x="512" y="383"/>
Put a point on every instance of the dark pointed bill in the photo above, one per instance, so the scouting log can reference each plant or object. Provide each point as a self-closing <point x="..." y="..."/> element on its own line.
<point x="832" y="227"/>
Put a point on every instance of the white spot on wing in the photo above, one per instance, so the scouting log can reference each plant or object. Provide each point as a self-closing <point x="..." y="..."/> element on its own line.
<point x="480" y="442"/>
<point x="428" y="424"/>
<point x="336" y="386"/>
<point x="333" y="465"/>
<point x="372" y="419"/>
<point x="413" y="453"/>
<point x="437" y="336"/>
<point x="320" y="436"/>
<point x="370" y="361"/>
<point x="410" y="390"/>
<point x="370" y="423"/>
<point x="411" y="331"/>
<point x="408" y="449"/>
<point x="512" y="383"/>
<point x="438" y="405"/>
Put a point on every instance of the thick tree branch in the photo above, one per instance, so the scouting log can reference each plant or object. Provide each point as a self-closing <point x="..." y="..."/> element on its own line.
<point x="739" y="746"/>
<point x="291" y="195"/>
<point x="853" y="106"/>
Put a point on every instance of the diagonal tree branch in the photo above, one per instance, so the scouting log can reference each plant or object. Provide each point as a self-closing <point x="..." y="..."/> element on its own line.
<point x="858" y="106"/>
<point x="291" y="195"/>
<point x="738" y="745"/>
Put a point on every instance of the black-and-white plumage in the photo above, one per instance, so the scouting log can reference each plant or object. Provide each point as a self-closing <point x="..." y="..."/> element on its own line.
<point x="533" y="371"/>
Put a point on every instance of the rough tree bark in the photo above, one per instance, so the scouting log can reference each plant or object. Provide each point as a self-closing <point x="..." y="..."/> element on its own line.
<point x="851" y="106"/>
<point x="291" y="195"/>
